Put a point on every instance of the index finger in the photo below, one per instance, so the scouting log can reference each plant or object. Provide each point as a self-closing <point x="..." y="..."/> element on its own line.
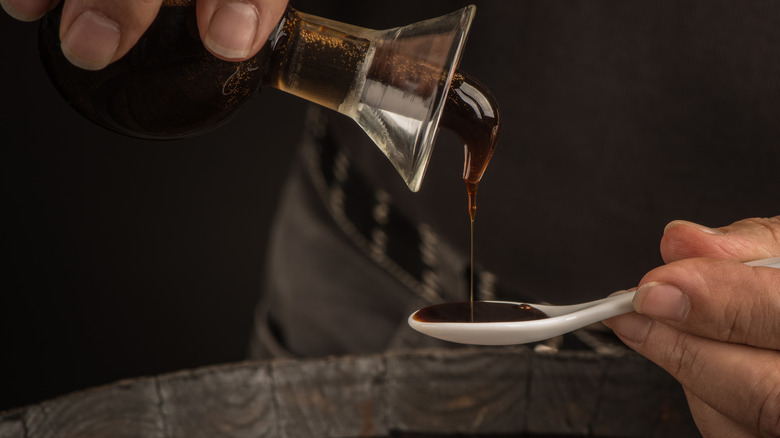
<point x="744" y="240"/>
<point x="28" y="10"/>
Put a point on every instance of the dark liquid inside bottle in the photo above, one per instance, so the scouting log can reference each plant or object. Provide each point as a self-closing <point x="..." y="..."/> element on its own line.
<point x="481" y="311"/>
<point x="167" y="86"/>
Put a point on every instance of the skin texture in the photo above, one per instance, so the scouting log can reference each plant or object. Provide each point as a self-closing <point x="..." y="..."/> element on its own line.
<point x="95" y="33"/>
<point x="714" y="324"/>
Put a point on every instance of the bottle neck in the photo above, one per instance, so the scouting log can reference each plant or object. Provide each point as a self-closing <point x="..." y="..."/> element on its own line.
<point x="317" y="59"/>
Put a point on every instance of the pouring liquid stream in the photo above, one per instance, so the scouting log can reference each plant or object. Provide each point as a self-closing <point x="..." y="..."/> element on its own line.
<point x="472" y="114"/>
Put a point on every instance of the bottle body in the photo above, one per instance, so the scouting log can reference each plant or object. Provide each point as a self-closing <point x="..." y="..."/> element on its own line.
<point x="170" y="86"/>
<point x="167" y="86"/>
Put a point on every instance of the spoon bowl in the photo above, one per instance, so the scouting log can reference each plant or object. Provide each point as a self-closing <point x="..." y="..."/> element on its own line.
<point x="560" y="320"/>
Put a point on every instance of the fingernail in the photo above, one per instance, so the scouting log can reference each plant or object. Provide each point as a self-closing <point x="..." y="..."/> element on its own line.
<point x="232" y="29"/>
<point x="17" y="10"/>
<point x="661" y="301"/>
<point x="632" y="326"/>
<point x="91" y="40"/>
<point x="701" y="228"/>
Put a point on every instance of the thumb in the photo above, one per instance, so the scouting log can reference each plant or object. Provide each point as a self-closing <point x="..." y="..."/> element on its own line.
<point x="745" y="240"/>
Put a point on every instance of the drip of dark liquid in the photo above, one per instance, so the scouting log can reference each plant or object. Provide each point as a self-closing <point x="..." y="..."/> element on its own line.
<point x="478" y="311"/>
<point x="471" y="113"/>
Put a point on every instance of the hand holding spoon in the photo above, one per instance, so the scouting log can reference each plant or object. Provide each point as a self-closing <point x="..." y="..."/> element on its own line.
<point x="520" y="323"/>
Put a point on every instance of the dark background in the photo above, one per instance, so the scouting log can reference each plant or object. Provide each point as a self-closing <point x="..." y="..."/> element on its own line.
<point x="125" y="257"/>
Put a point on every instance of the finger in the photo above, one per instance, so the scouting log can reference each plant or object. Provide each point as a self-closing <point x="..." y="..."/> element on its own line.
<point x="745" y="240"/>
<point x="717" y="299"/>
<point x="235" y="30"/>
<point x="741" y="382"/>
<point x="28" y="10"/>
<point x="95" y="33"/>
<point x="712" y="423"/>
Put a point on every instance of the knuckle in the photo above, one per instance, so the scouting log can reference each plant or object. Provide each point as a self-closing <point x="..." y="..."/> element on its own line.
<point x="771" y="227"/>
<point x="758" y="321"/>
<point x="733" y="312"/>
<point x="740" y="311"/>
<point x="743" y="321"/>
<point x="683" y="358"/>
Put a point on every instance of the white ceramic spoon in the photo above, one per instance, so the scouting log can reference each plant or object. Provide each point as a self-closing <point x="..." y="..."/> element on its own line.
<point x="562" y="319"/>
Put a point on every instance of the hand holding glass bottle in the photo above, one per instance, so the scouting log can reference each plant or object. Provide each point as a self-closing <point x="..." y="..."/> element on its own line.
<point x="392" y="82"/>
<point x="95" y="33"/>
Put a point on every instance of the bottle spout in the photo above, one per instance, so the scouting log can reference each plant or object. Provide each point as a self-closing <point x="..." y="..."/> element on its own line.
<point x="403" y="96"/>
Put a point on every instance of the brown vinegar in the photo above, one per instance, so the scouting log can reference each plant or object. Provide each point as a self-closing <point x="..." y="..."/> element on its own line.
<point x="472" y="114"/>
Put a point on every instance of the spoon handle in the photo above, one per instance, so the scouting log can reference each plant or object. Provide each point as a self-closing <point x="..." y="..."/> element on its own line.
<point x="622" y="303"/>
<point x="552" y="310"/>
<point x="772" y="262"/>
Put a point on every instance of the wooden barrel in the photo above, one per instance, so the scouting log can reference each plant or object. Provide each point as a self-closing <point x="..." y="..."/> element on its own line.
<point x="437" y="392"/>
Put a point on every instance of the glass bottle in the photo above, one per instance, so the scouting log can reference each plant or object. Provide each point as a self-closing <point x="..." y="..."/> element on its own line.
<point x="393" y="83"/>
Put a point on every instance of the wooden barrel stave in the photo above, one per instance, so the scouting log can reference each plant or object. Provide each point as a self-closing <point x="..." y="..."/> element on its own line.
<point x="463" y="391"/>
